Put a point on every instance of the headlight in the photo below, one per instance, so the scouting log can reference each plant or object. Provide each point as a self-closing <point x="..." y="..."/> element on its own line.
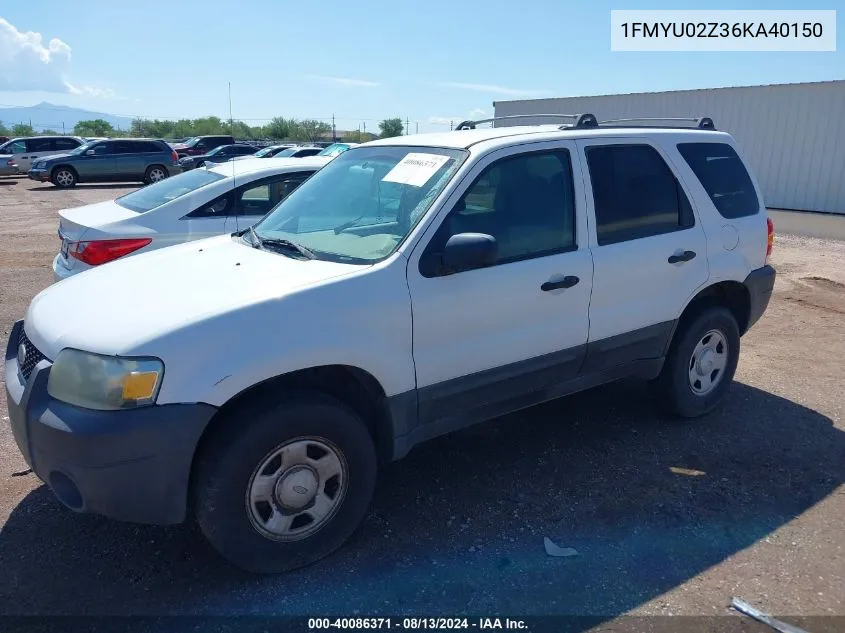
<point x="40" y="165"/>
<point x="106" y="383"/>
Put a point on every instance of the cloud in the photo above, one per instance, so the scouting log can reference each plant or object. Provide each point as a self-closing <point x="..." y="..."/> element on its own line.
<point x="478" y="112"/>
<point x="346" y="81"/>
<point x="27" y="64"/>
<point x="475" y="113"/>
<point x="492" y="88"/>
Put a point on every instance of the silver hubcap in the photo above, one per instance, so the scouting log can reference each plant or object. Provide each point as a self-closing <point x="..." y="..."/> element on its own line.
<point x="64" y="178"/>
<point x="296" y="489"/>
<point x="708" y="362"/>
<point x="156" y="175"/>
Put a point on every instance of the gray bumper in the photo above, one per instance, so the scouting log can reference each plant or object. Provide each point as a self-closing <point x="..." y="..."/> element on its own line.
<point x="759" y="283"/>
<point x="132" y="465"/>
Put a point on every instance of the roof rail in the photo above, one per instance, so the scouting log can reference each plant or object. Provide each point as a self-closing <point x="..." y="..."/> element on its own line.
<point x="701" y="123"/>
<point x="585" y="120"/>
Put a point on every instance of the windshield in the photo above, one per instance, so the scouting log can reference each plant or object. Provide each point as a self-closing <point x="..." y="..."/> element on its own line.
<point x="334" y="150"/>
<point x="360" y="206"/>
<point x="152" y="196"/>
<point x="287" y="152"/>
<point x="192" y="141"/>
<point x="263" y="152"/>
<point x="82" y="148"/>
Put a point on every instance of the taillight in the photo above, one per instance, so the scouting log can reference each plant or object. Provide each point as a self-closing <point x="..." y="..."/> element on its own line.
<point x="10" y="162"/>
<point x="770" y="226"/>
<point x="174" y="156"/>
<point x="99" y="252"/>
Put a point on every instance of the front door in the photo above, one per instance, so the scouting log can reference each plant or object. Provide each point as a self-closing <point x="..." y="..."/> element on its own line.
<point x="497" y="338"/>
<point x="35" y="149"/>
<point x="649" y="250"/>
<point x="97" y="163"/>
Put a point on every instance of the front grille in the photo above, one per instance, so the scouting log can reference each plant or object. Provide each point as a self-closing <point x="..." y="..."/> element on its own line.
<point x="33" y="356"/>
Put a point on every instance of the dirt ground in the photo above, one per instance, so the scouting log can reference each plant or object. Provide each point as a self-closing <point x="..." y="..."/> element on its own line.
<point x="756" y="509"/>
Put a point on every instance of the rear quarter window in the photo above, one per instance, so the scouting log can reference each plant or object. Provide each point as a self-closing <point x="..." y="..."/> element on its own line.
<point x="722" y="174"/>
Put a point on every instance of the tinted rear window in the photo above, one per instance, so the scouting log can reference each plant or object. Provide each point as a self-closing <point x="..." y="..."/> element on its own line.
<point x="153" y="196"/>
<point x="723" y="176"/>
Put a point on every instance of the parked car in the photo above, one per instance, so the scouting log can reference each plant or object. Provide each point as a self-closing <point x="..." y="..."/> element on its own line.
<point x="199" y="145"/>
<point x="4" y="139"/>
<point x="114" y="160"/>
<point x="413" y="286"/>
<point x="26" y="150"/>
<point x="190" y="206"/>
<point x="218" y="155"/>
<point x="336" y="149"/>
<point x="91" y="139"/>
<point x="8" y="166"/>
<point x="299" y="151"/>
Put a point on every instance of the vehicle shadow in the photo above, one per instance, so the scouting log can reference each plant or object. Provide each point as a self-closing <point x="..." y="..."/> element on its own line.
<point x="458" y="526"/>
<point x="7" y="182"/>
<point x="112" y="185"/>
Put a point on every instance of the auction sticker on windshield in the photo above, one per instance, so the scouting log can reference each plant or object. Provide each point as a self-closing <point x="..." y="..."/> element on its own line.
<point x="415" y="169"/>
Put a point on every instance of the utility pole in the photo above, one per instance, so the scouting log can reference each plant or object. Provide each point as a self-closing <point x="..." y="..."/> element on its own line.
<point x="334" y="132"/>
<point x="63" y="128"/>
<point x="418" y="127"/>
<point x="365" y="128"/>
<point x="231" y="121"/>
<point x="407" y="131"/>
<point x="451" y="125"/>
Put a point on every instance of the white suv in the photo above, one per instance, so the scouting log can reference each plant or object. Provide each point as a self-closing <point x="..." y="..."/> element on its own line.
<point x="413" y="286"/>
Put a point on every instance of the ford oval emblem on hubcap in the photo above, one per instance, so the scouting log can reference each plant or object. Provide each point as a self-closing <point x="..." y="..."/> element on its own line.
<point x="300" y="490"/>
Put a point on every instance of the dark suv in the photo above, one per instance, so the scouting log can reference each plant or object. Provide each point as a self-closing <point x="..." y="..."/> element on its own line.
<point x="199" y="145"/>
<point x="113" y="160"/>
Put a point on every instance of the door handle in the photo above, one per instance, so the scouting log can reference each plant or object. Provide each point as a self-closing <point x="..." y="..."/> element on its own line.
<point x="566" y="282"/>
<point x="684" y="257"/>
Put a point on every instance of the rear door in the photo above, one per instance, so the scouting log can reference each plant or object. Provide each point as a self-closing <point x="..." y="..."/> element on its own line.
<point x="649" y="250"/>
<point x="255" y="200"/>
<point x="97" y="163"/>
<point x="130" y="159"/>
<point x="18" y="150"/>
<point x="35" y="149"/>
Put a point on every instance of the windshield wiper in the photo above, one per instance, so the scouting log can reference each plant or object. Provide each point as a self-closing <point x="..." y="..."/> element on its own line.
<point x="272" y="241"/>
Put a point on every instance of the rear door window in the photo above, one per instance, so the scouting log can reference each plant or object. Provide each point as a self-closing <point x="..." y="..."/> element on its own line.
<point x="66" y="144"/>
<point x="41" y="145"/>
<point x="722" y="174"/>
<point x="635" y="193"/>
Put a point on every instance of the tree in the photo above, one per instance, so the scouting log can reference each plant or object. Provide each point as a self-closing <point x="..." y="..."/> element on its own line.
<point x="310" y="130"/>
<point x="279" y="128"/>
<point x="355" y="136"/>
<point x="4" y="131"/>
<point x="46" y="131"/>
<point x="391" y="127"/>
<point x="22" y="129"/>
<point x="94" y="127"/>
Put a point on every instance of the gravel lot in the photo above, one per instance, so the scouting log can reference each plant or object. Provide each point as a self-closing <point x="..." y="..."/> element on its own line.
<point x="458" y="526"/>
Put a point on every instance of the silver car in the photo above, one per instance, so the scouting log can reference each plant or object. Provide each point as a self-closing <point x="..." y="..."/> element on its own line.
<point x="8" y="166"/>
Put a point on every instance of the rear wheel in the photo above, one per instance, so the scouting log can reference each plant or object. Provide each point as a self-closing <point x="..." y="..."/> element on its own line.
<point x="286" y="484"/>
<point x="155" y="173"/>
<point x="701" y="364"/>
<point x="64" y="177"/>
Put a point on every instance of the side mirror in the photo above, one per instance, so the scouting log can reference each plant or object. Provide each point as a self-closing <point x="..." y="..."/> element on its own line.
<point x="90" y="152"/>
<point x="468" y="251"/>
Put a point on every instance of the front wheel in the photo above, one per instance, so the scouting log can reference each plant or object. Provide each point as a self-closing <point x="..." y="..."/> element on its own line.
<point x="700" y="365"/>
<point x="285" y="484"/>
<point x="64" y="177"/>
<point x="155" y="173"/>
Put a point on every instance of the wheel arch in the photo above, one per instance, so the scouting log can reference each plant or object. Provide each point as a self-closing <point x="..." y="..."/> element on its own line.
<point x="733" y="295"/>
<point x="353" y="386"/>
<point x="55" y="168"/>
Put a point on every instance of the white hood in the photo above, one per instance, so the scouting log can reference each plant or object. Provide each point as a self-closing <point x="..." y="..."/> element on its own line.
<point x="119" y="307"/>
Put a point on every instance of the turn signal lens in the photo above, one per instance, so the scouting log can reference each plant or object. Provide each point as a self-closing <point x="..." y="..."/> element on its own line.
<point x="103" y="251"/>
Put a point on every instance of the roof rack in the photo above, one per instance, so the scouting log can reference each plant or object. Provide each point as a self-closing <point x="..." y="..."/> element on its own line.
<point x="581" y="121"/>
<point x="701" y="123"/>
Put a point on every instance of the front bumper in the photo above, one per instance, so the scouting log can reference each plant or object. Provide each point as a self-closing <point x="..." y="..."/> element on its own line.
<point x="132" y="465"/>
<point x="39" y="175"/>
<point x="760" y="283"/>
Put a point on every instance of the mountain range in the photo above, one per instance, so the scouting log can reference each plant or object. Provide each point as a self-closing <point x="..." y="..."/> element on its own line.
<point x="51" y="116"/>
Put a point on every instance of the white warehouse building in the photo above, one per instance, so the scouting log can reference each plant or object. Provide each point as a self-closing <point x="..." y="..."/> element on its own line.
<point x="793" y="135"/>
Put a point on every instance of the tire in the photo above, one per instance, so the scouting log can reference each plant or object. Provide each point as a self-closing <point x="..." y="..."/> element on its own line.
<point x="155" y="173"/>
<point x="247" y="532"/>
<point x="64" y="177"/>
<point x="687" y="385"/>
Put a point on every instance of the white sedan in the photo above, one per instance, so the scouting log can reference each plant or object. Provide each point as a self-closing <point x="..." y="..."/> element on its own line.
<point x="194" y="205"/>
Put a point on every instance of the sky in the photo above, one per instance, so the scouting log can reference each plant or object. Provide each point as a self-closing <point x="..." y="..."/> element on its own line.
<point x="429" y="62"/>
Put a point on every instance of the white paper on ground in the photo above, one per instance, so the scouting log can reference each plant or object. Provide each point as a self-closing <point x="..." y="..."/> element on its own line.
<point x="415" y="169"/>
